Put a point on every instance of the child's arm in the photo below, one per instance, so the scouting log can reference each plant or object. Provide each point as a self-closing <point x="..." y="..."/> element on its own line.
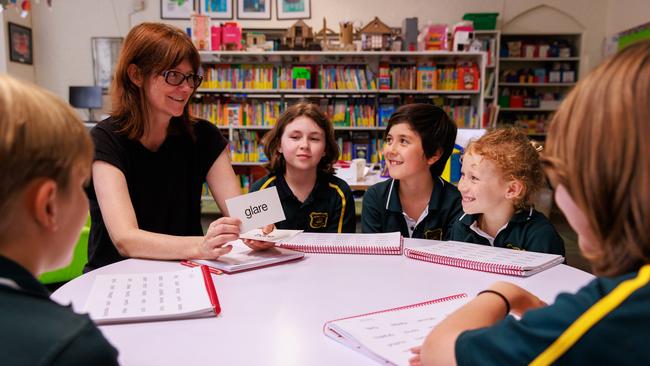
<point x="484" y="310"/>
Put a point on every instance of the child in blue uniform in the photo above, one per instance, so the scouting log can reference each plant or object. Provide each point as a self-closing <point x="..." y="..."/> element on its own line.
<point x="419" y="139"/>
<point x="598" y="159"/>
<point x="301" y="149"/>
<point x="500" y="175"/>
<point x="45" y="156"/>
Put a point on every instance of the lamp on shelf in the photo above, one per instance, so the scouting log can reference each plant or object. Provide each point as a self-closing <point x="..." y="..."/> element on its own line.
<point x="89" y="97"/>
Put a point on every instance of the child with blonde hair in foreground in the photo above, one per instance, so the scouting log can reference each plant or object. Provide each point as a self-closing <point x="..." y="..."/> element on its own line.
<point x="45" y="156"/>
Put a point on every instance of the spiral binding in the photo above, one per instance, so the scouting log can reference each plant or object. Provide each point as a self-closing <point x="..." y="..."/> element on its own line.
<point x="463" y="263"/>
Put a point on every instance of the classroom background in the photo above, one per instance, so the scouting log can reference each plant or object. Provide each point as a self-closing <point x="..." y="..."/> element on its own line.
<point x="61" y="44"/>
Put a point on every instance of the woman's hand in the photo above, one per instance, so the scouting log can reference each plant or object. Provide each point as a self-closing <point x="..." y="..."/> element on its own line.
<point x="258" y="244"/>
<point x="415" y="360"/>
<point x="520" y="300"/>
<point x="220" y="232"/>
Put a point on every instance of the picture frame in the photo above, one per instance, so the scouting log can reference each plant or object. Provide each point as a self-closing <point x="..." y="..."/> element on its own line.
<point x="176" y="9"/>
<point x="217" y="9"/>
<point x="21" y="49"/>
<point x="293" y="9"/>
<point x="254" y="9"/>
<point x="105" y="53"/>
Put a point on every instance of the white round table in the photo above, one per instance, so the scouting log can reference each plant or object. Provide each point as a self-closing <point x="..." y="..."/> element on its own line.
<point x="275" y="315"/>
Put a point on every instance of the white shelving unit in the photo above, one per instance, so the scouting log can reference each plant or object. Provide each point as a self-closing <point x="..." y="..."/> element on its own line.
<point x="535" y="119"/>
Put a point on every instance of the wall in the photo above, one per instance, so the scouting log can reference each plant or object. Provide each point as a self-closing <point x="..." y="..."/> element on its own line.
<point x="3" y="45"/>
<point x="64" y="33"/>
<point x="18" y="70"/>
<point x="625" y="14"/>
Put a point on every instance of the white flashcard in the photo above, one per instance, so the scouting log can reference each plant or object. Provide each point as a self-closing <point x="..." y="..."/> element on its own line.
<point x="256" y="209"/>
<point x="274" y="236"/>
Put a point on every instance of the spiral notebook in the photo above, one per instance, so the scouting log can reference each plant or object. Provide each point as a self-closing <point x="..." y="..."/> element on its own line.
<point x="481" y="257"/>
<point x="387" y="336"/>
<point x="381" y="243"/>
<point x="139" y="297"/>
<point x="243" y="258"/>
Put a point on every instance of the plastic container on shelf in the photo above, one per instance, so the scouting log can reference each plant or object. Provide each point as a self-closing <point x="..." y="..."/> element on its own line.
<point x="482" y="21"/>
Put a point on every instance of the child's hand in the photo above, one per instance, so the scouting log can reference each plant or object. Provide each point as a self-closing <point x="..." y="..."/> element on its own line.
<point x="415" y="360"/>
<point x="258" y="244"/>
<point x="520" y="300"/>
<point x="220" y="232"/>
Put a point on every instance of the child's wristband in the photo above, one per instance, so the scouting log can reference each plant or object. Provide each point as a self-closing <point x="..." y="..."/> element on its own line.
<point x="505" y="300"/>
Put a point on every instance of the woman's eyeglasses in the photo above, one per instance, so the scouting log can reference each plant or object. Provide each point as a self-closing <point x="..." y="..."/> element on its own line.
<point x="176" y="78"/>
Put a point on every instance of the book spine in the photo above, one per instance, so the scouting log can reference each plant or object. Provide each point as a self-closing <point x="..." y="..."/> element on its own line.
<point x="464" y="263"/>
<point x="406" y="307"/>
<point x="342" y="249"/>
<point x="212" y="292"/>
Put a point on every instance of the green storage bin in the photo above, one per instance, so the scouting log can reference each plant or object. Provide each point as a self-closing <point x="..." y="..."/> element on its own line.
<point x="482" y="21"/>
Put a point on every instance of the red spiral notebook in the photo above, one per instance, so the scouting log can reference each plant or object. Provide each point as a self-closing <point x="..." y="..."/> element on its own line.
<point x="388" y="335"/>
<point x="481" y="257"/>
<point x="380" y="243"/>
<point x="140" y="297"/>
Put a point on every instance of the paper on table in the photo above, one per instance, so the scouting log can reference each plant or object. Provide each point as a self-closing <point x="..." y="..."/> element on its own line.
<point x="274" y="236"/>
<point x="388" y="336"/>
<point x="256" y="209"/>
<point x="122" y="298"/>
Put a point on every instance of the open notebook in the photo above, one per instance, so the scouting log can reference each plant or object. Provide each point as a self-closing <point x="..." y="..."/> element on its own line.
<point x="481" y="257"/>
<point x="382" y="243"/>
<point x="243" y="258"/>
<point x="138" y="297"/>
<point x="387" y="336"/>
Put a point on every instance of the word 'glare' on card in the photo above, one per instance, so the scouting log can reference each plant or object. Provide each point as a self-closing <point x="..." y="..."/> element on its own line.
<point x="256" y="209"/>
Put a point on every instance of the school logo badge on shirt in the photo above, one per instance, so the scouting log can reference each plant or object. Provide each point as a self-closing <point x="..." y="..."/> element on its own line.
<point x="318" y="220"/>
<point x="435" y="234"/>
<point x="512" y="246"/>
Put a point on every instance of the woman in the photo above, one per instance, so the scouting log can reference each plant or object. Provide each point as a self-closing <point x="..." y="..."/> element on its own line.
<point x="151" y="159"/>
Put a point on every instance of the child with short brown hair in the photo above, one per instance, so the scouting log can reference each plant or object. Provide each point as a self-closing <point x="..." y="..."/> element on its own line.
<point x="45" y="156"/>
<point x="500" y="175"/>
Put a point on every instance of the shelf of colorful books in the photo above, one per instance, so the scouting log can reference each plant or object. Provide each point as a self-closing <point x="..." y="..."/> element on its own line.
<point x="537" y="84"/>
<point x="504" y="109"/>
<point x="539" y="59"/>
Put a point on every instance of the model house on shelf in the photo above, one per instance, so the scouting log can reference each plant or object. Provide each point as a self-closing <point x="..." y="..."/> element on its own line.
<point x="375" y="36"/>
<point x="300" y="37"/>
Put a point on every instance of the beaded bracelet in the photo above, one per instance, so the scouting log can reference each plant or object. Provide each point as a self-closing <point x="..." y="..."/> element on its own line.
<point x="505" y="300"/>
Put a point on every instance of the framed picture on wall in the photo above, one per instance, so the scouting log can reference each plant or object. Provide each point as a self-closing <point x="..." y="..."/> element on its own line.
<point x="293" y="9"/>
<point x="20" y="44"/>
<point x="176" y="9"/>
<point x="216" y="9"/>
<point x="105" y="52"/>
<point x="254" y="9"/>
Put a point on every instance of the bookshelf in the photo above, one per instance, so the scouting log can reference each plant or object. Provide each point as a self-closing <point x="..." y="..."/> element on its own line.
<point x="490" y="41"/>
<point x="244" y="93"/>
<point x="536" y="71"/>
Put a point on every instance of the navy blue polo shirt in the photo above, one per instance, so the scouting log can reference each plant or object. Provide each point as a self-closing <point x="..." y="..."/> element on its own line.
<point x="35" y="330"/>
<point x="383" y="213"/>
<point x="604" y="323"/>
<point x="528" y="229"/>
<point x="329" y="208"/>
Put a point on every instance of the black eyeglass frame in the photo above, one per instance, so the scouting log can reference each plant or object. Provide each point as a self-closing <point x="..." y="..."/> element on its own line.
<point x="197" y="79"/>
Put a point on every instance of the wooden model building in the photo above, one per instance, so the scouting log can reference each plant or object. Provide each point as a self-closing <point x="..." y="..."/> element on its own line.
<point x="375" y="35"/>
<point x="300" y="37"/>
<point x="324" y="36"/>
<point x="346" y="37"/>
